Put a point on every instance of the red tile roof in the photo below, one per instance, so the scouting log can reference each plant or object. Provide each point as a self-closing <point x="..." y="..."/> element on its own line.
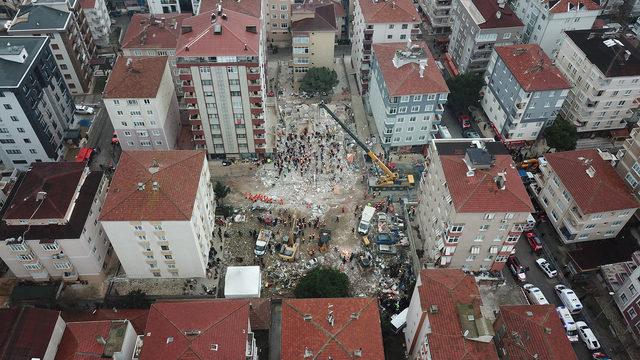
<point x="324" y="19"/>
<point x="141" y="78"/>
<point x="447" y="288"/>
<point x="234" y="40"/>
<point x="479" y="193"/>
<point x="532" y="68"/>
<point x="79" y="340"/>
<point x="58" y="180"/>
<point x="137" y="317"/>
<point x="147" y="31"/>
<point x="406" y="79"/>
<point x="248" y="7"/>
<point x="489" y="10"/>
<point x="565" y="6"/>
<point x="605" y="191"/>
<point x="88" y="4"/>
<point x="339" y="341"/>
<point x="25" y="332"/>
<point x="207" y="322"/>
<point x="178" y="178"/>
<point x="382" y="12"/>
<point x="527" y="333"/>
<point x="260" y="314"/>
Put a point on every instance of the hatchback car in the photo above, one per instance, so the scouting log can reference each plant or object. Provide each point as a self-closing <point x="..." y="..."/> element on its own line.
<point x="84" y="110"/>
<point x="547" y="268"/>
<point x="534" y="241"/>
<point x="518" y="271"/>
<point x="464" y="120"/>
<point x="587" y="336"/>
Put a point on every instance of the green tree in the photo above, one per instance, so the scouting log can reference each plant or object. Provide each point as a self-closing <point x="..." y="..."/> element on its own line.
<point x="562" y="135"/>
<point x="136" y="299"/>
<point x="464" y="90"/>
<point x="319" y="80"/>
<point x="221" y="191"/>
<point x="323" y="283"/>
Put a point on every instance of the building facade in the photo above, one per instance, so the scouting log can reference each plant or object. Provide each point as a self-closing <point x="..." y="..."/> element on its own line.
<point x="545" y="21"/>
<point x="97" y="15"/>
<point x="604" y="69"/>
<point x="224" y="86"/>
<point x="37" y="107"/>
<point x="70" y="38"/>
<point x="478" y="27"/>
<point x="159" y="7"/>
<point x="583" y="196"/>
<point x="463" y="226"/>
<point x="628" y="166"/>
<point x="313" y="31"/>
<point x="524" y="92"/>
<point x="407" y="94"/>
<point x="438" y="15"/>
<point x="159" y="214"/>
<point x="141" y="101"/>
<point x="377" y="22"/>
<point x="627" y="296"/>
<point x="50" y="230"/>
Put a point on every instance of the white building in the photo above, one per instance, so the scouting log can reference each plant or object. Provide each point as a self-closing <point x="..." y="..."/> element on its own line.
<point x="438" y="15"/>
<point x="159" y="7"/>
<point x="583" y="196"/>
<point x="50" y="229"/>
<point x="141" y="100"/>
<point x="472" y="205"/>
<point x="97" y="15"/>
<point x="159" y="213"/>
<point x="376" y="22"/>
<point x="604" y="69"/>
<point x="545" y="21"/>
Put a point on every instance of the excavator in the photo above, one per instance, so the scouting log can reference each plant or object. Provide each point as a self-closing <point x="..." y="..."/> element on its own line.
<point x="389" y="180"/>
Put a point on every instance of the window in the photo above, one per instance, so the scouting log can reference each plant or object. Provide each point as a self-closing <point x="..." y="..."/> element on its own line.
<point x="25" y="257"/>
<point x="168" y="257"/>
<point x="32" y="266"/>
<point x="147" y="101"/>
<point x="506" y="248"/>
<point x="127" y="133"/>
<point x="402" y="109"/>
<point x="142" y="237"/>
<point x="554" y="215"/>
<point x="20" y="130"/>
<point x="137" y="227"/>
<point x="164" y="247"/>
<point x="417" y="97"/>
<point x="415" y="108"/>
<point x="489" y="216"/>
<point x="484" y="227"/>
<point x="479" y="238"/>
<point x="391" y="26"/>
<point x="13" y="152"/>
<point x="17" y="247"/>
<point x="506" y="36"/>
<point x="493" y="250"/>
<point x="590" y="226"/>
<point x="7" y="106"/>
<point x="283" y="7"/>
<point x="631" y="180"/>
<point x="405" y="26"/>
<point x="632" y="313"/>
<point x="132" y="102"/>
<point x="157" y="227"/>
<point x="632" y="289"/>
<point x="475" y="250"/>
<point x="13" y="118"/>
<point x="431" y="97"/>
<point x="453" y="239"/>
<point x="49" y="247"/>
<point x="389" y="36"/>
<point x="62" y="266"/>
<point x="456" y="228"/>
<point x="623" y="298"/>
<point x="7" y="141"/>
<point x="403" y="37"/>
<point x="404" y="98"/>
<point x="471" y="258"/>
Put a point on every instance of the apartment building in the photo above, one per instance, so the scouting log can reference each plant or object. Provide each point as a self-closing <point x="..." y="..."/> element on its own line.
<point x="69" y="35"/>
<point x="222" y="64"/>
<point x="478" y="27"/>
<point x="628" y="166"/>
<point x="376" y="22"/>
<point x="159" y="7"/>
<point x="331" y="328"/>
<point x="603" y="67"/>
<point x="30" y="333"/>
<point x="37" y="107"/>
<point x="545" y="21"/>
<point x="141" y="101"/>
<point x="522" y="330"/>
<point x="50" y="229"/>
<point x="8" y="8"/>
<point x="626" y="295"/>
<point x="583" y="196"/>
<point x="445" y="319"/>
<point x="205" y="329"/>
<point x="524" y="92"/>
<point x="631" y="8"/>
<point x="97" y="15"/>
<point x="151" y="35"/>
<point x="159" y="213"/>
<point x="407" y="93"/>
<point x="438" y="14"/>
<point x="114" y="339"/>
<point x="313" y="31"/>
<point x="472" y="205"/>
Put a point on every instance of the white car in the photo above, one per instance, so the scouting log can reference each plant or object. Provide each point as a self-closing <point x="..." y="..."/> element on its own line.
<point x="547" y="268"/>
<point x="84" y="110"/>
<point x="586" y="335"/>
<point x="535" y="295"/>
<point x="568" y="298"/>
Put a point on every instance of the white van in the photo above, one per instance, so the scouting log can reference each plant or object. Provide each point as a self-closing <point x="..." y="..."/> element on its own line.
<point x="569" y="324"/>
<point x="535" y="295"/>
<point x="569" y="298"/>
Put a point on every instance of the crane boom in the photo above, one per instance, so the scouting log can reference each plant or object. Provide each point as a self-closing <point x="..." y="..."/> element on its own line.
<point x="390" y="175"/>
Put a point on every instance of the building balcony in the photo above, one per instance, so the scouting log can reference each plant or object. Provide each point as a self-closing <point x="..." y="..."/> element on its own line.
<point x="195" y="117"/>
<point x="368" y="31"/>
<point x="198" y="137"/>
<point x="591" y="103"/>
<point x="257" y="122"/>
<point x="254" y="88"/>
<point x="253" y="76"/>
<point x="257" y="111"/>
<point x="185" y="76"/>
<point x="259" y="141"/>
<point x="188" y="88"/>
<point x="190" y="100"/>
<point x="197" y="133"/>
<point x="259" y="131"/>
<point x="256" y="100"/>
<point x="70" y="275"/>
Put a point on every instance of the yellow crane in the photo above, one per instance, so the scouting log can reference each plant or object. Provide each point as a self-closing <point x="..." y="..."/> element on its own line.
<point x="388" y="180"/>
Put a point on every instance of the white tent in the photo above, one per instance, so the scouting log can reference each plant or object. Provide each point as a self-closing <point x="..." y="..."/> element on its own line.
<point x="242" y="282"/>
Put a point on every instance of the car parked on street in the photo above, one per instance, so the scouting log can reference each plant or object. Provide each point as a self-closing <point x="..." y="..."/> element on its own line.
<point x="587" y="336"/>
<point x="518" y="271"/>
<point x="535" y="295"/>
<point x="84" y="110"/>
<point x="464" y="120"/>
<point x="568" y="298"/>
<point x="547" y="268"/>
<point x="535" y="243"/>
<point x="471" y="134"/>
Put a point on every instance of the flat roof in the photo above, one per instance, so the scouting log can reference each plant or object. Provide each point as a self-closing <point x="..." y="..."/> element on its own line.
<point x="611" y="52"/>
<point x="242" y="281"/>
<point x="39" y="17"/>
<point x="11" y="73"/>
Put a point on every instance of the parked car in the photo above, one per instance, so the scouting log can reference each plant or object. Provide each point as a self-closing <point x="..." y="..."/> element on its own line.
<point x="518" y="271"/>
<point x="464" y="120"/>
<point x="227" y="162"/>
<point x="85" y="154"/>
<point x="535" y="243"/>
<point x="568" y="298"/>
<point x="587" y="336"/>
<point x="600" y="356"/>
<point x="387" y="249"/>
<point x="471" y="134"/>
<point x="382" y="217"/>
<point x="262" y="242"/>
<point x="535" y="295"/>
<point x="547" y="268"/>
<point x="384" y="239"/>
<point x="84" y="110"/>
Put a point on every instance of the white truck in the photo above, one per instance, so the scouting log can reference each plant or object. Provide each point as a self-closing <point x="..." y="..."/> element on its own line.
<point x="365" y="220"/>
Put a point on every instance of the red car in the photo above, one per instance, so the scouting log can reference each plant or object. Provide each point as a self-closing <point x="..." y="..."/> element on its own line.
<point x="534" y="241"/>
<point x="465" y="121"/>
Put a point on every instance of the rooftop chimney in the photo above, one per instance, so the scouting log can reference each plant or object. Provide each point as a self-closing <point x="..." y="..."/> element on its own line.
<point x="251" y="29"/>
<point x="186" y="29"/>
<point x="219" y="9"/>
<point x="155" y="166"/>
<point x="129" y="64"/>
<point x="100" y="339"/>
<point x="498" y="14"/>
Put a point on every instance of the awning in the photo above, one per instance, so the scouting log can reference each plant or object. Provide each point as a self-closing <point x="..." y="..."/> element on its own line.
<point x="620" y="133"/>
<point x="399" y="320"/>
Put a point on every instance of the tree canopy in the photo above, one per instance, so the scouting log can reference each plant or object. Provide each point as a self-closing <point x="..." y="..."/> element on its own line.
<point x="323" y="283"/>
<point x="562" y="135"/>
<point x="221" y="191"/>
<point x="320" y="79"/>
<point x="464" y="90"/>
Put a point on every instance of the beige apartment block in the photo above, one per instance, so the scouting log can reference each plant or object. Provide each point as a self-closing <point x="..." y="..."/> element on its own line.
<point x="473" y="205"/>
<point x="583" y="196"/>
<point x="314" y="32"/>
<point x="604" y="69"/>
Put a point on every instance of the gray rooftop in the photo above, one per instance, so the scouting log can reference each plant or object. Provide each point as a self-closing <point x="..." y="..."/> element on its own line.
<point x="10" y="49"/>
<point x="11" y="73"/>
<point x="38" y="18"/>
